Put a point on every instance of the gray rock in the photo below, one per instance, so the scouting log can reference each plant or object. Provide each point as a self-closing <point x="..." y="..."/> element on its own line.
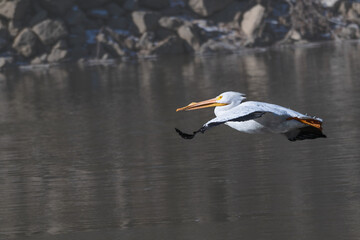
<point x="56" y="7"/>
<point x="14" y="27"/>
<point x="119" y="23"/>
<point x="229" y="12"/>
<point x="61" y="44"/>
<point x="38" y="17"/>
<point x="50" y="31"/>
<point x="350" y="32"/>
<point x="114" y="10"/>
<point x="154" y="4"/>
<point x="131" y="5"/>
<point x="146" y="41"/>
<point x="4" y="63"/>
<point x="172" y="23"/>
<point x="130" y="43"/>
<point x="75" y="17"/>
<point x="57" y="55"/>
<point x="171" y="45"/>
<point x="39" y="59"/>
<point x="15" y="9"/>
<point x="26" y="43"/>
<point x="145" y="20"/>
<point x="352" y="16"/>
<point x="87" y="4"/>
<point x="208" y="7"/>
<point x="4" y="33"/>
<point x="252" y="20"/>
<point x="109" y="44"/>
<point x="356" y="7"/>
<point x="77" y="36"/>
<point x="162" y="33"/>
<point x="4" y="42"/>
<point x="98" y="13"/>
<point x="190" y="33"/>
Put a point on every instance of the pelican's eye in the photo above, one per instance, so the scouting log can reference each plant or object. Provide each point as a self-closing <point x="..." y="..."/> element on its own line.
<point x="218" y="98"/>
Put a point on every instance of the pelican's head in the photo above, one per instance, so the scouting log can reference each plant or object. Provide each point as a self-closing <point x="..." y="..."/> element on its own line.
<point x="229" y="99"/>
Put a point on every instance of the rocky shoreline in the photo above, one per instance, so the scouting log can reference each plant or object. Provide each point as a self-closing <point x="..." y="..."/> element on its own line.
<point x="38" y="32"/>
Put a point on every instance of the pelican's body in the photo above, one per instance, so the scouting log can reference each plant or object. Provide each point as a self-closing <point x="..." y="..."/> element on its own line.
<point x="257" y="117"/>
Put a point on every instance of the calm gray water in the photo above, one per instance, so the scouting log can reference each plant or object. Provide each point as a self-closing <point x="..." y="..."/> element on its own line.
<point x="91" y="152"/>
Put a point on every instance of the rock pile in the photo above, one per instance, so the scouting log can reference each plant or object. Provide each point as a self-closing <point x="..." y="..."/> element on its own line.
<point x="51" y="31"/>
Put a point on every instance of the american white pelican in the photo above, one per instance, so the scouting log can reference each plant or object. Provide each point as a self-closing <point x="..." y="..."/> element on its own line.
<point x="256" y="117"/>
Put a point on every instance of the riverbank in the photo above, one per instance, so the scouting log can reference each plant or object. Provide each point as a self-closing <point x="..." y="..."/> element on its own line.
<point x="51" y="32"/>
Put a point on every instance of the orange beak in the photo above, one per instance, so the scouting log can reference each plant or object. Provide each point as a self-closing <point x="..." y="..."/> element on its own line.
<point x="204" y="104"/>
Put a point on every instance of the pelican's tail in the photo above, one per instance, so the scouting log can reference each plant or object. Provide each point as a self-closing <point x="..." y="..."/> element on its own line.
<point x="316" y="123"/>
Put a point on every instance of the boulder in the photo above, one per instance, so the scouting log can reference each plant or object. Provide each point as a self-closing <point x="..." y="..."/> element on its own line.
<point x="98" y="13"/>
<point x="3" y="43"/>
<point x="349" y="32"/>
<point x="56" y="7"/>
<point x="146" y="41"/>
<point x="50" y="31"/>
<point x="352" y="16"/>
<point x="252" y="20"/>
<point x="109" y="44"/>
<point x="229" y="13"/>
<point x="145" y="20"/>
<point x="14" y="27"/>
<point x="206" y="8"/>
<point x="4" y="33"/>
<point x="162" y="33"/>
<point x="170" y="45"/>
<point x="154" y="4"/>
<point x="57" y="55"/>
<point x="114" y="10"/>
<point x="118" y="23"/>
<point x="26" y="43"/>
<point x="77" y="36"/>
<point x="131" y="5"/>
<point x="38" y="17"/>
<point x="75" y="17"/>
<point x="130" y="43"/>
<point x="15" y="9"/>
<point x="191" y="34"/>
<point x="356" y="7"/>
<point x="39" y="59"/>
<point x="61" y="44"/>
<point x="171" y="23"/>
<point x="6" y="62"/>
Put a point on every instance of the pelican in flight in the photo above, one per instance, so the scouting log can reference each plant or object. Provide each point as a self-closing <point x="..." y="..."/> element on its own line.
<point x="256" y="117"/>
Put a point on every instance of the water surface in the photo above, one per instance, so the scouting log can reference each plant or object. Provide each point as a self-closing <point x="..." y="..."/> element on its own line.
<point x="91" y="152"/>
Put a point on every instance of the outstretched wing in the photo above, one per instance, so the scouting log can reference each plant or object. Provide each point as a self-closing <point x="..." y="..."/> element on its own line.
<point x="244" y="115"/>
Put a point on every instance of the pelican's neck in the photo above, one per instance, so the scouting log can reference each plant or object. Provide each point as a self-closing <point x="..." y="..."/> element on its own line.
<point x="223" y="109"/>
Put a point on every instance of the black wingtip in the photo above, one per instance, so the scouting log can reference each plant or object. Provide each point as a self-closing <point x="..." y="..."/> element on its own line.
<point x="185" y="135"/>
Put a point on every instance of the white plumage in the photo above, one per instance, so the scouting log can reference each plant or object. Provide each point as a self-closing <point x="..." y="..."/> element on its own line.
<point x="257" y="117"/>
